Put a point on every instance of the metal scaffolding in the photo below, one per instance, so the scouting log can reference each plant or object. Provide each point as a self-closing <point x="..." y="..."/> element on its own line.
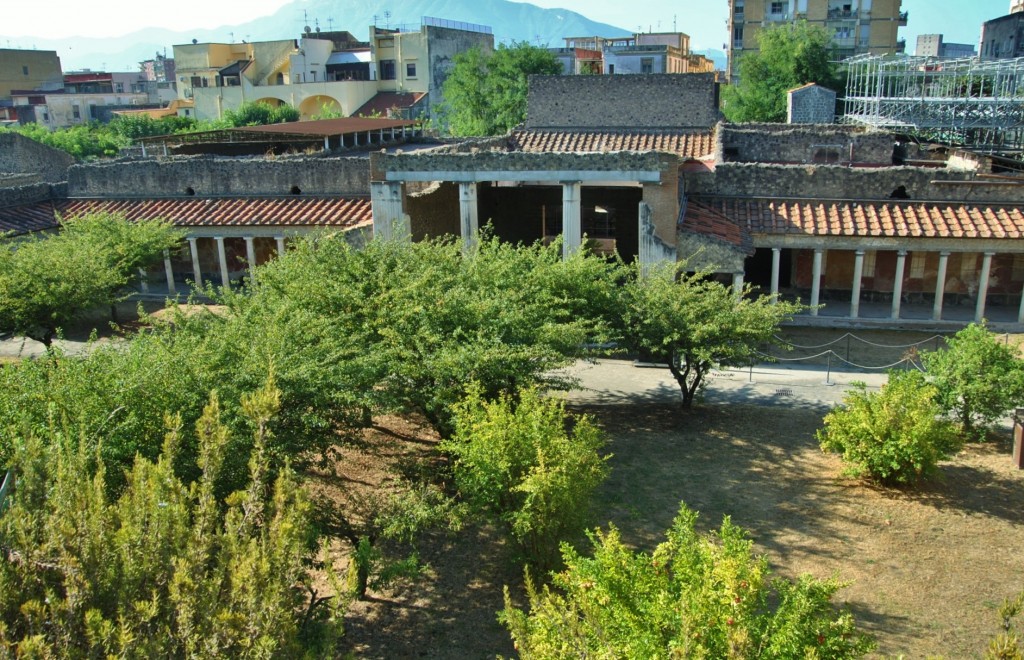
<point x="962" y="102"/>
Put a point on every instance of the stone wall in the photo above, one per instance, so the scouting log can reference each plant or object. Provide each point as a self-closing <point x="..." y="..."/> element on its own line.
<point x="811" y="104"/>
<point x="31" y="194"/>
<point x="434" y="212"/>
<point x="206" y="176"/>
<point x="836" y="182"/>
<point x="22" y="155"/>
<point x="784" y="143"/>
<point x="653" y="101"/>
<point x="701" y="252"/>
<point x="443" y="44"/>
<point x="17" y="180"/>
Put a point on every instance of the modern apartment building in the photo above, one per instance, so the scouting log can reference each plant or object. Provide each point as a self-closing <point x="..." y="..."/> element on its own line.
<point x="644" y="52"/>
<point x="933" y="45"/>
<point x="858" y="26"/>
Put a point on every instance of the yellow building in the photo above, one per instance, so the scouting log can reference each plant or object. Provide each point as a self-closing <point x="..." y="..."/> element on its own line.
<point x="29" y="70"/>
<point x="857" y="26"/>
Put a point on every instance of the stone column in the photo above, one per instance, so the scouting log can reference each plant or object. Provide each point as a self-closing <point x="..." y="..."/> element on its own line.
<point x="389" y="219"/>
<point x="222" y="259"/>
<point x="327" y="143"/>
<point x="983" y="282"/>
<point x="197" y="274"/>
<point x="280" y="245"/>
<point x="169" y="271"/>
<point x="250" y="252"/>
<point x="776" y="261"/>
<point x="816" y="281"/>
<point x="572" y="229"/>
<point x="737" y="284"/>
<point x="143" y="281"/>
<point x="897" y="287"/>
<point x="858" y="274"/>
<point x="469" y="215"/>
<point x="940" y="286"/>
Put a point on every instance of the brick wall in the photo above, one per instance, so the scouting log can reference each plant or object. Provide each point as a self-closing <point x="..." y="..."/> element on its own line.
<point x="783" y="143"/>
<point x="837" y="182"/>
<point x="22" y="155"/>
<point x="632" y="101"/>
<point x="220" y="176"/>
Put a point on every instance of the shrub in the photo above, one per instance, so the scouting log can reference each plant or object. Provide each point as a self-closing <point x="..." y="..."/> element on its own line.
<point x="515" y="461"/>
<point x="895" y="436"/>
<point x="165" y="569"/>
<point x="695" y="597"/>
<point x="978" y="379"/>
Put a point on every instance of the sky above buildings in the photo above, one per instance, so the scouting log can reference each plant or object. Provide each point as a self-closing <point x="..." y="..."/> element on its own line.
<point x="704" y="20"/>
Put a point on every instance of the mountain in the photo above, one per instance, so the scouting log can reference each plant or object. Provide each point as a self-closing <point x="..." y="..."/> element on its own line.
<point x="511" y="21"/>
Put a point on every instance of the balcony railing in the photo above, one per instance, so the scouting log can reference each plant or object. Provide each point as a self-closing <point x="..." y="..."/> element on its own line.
<point x="903" y="17"/>
<point x="834" y="14"/>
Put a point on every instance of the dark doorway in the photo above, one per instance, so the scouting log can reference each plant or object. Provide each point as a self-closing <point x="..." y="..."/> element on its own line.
<point x="759" y="269"/>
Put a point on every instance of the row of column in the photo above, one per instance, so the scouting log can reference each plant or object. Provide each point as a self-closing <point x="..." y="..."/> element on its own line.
<point x="897" y="293"/>
<point x="197" y="274"/>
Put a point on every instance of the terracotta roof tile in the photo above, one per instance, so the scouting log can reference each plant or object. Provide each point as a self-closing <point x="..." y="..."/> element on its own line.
<point x="686" y="144"/>
<point x="27" y="218"/>
<point x="706" y="221"/>
<point x="892" y="219"/>
<point x="382" y="103"/>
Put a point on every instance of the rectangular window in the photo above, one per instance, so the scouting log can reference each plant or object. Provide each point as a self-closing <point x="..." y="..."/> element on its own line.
<point x="119" y="88"/>
<point x="24" y="70"/>
<point x="410" y="69"/>
<point x="647" y="65"/>
<point x="76" y="112"/>
<point x="917" y="261"/>
<point x="297" y="78"/>
<point x="385" y="43"/>
<point x="312" y="76"/>
<point x="387" y="69"/>
<point x="776" y="8"/>
<point x="869" y="263"/>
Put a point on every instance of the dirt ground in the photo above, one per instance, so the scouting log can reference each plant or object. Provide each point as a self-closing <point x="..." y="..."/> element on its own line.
<point x="927" y="568"/>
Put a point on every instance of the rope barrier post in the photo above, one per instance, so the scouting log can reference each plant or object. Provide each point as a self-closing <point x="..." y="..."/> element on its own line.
<point x="847" y="346"/>
<point x="828" y="372"/>
<point x="750" y="378"/>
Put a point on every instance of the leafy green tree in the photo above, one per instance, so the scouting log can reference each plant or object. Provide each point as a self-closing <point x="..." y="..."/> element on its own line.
<point x="485" y="94"/>
<point x="694" y="324"/>
<point x="696" y="597"/>
<point x="979" y="379"/>
<point x="84" y="142"/>
<point x="259" y="113"/>
<point x="165" y="569"/>
<point x="896" y="436"/>
<point x="515" y="461"/>
<point x="47" y="282"/>
<point x="789" y="55"/>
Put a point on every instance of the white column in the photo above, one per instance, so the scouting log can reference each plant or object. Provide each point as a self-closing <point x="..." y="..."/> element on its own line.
<point x="983" y="282"/>
<point x="222" y="258"/>
<point x="816" y="281"/>
<point x="169" y="271"/>
<point x="776" y="260"/>
<point x="389" y="219"/>
<point x="468" y="214"/>
<point x="897" y="287"/>
<point x="737" y="284"/>
<point x="858" y="273"/>
<point x="143" y="281"/>
<point x="327" y="143"/>
<point x="280" y="245"/>
<point x="572" y="229"/>
<point x="197" y="274"/>
<point x="940" y="286"/>
<point x="250" y="253"/>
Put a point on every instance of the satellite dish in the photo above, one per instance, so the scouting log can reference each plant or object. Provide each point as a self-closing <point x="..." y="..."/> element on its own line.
<point x="307" y="29"/>
<point x="195" y="41"/>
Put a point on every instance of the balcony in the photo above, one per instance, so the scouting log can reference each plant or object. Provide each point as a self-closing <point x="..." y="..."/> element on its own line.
<point x="901" y="46"/>
<point x="839" y="14"/>
<point x="777" y="17"/>
<point x="903" y="18"/>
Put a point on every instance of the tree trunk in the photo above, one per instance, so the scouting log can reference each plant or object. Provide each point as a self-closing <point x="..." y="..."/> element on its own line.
<point x="689" y="378"/>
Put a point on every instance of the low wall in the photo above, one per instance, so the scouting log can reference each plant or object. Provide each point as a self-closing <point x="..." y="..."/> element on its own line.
<point x="208" y="175"/>
<point x="18" y="154"/>
<point x="784" y="143"/>
<point x="31" y="194"/>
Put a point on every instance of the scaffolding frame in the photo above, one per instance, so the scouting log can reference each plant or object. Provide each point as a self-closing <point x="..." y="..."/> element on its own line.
<point x="961" y="102"/>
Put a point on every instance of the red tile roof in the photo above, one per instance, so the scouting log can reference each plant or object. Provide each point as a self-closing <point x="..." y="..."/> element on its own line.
<point x="889" y="219"/>
<point x="687" y="144"/>
<point x="706" y="221"/>
<point x="27" y="218"/>
<point x="328" y="127"/>
<point x="343" y="212"/>
<point x="383" y="102"/>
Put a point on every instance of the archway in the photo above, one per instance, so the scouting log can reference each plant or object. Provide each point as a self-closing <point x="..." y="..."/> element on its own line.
<point x="319" y="105"/>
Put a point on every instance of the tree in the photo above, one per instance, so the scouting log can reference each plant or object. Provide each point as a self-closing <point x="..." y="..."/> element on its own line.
<point x="47" y="282"/>
<point x="85" y="141"/>
<point x="486" y="94"/>
<point x="166" y="569"/>
<point x="515" y="462"/>
<point x="695" y="597"/>
<point x="789" y="55"/>
<point x="693" y="324"/>
<point x="895" y="436"/>
<point x="979" y="380"/>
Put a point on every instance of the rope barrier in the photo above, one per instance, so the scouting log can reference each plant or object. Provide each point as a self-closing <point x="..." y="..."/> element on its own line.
<point x="860" y="339"/>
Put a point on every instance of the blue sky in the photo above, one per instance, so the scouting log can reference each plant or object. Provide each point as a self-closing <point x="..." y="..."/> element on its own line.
<point x="704" y="20"/>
